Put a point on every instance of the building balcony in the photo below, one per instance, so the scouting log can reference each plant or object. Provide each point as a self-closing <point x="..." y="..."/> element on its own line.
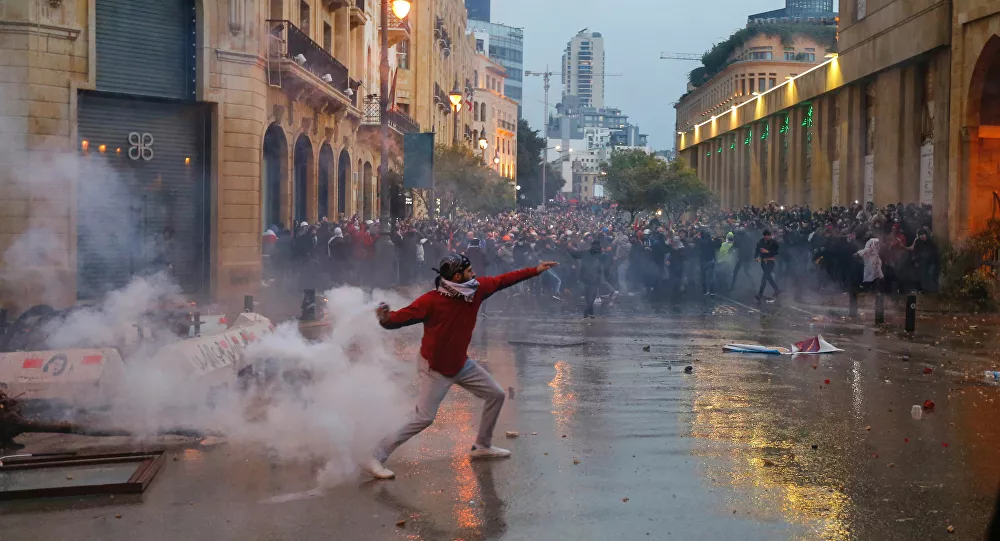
<point x="399" y="122"/>
<point x="399" y="29"/>
<point x="358" y="15"/>
<point x="302" y="66"/>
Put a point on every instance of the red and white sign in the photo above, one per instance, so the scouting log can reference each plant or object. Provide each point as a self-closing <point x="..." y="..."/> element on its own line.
<point x="71" y="375"/>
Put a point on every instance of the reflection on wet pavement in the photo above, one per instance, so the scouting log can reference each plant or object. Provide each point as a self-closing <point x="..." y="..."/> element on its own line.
<point x="628" y="446"/>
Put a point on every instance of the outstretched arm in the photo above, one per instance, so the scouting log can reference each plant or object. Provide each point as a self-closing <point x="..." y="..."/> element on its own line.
<point x="491" y="284"/>
<point x="415" y="313"/>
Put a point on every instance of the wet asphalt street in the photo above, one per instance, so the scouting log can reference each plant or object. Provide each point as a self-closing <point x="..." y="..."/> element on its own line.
<point x="628" y="446"/>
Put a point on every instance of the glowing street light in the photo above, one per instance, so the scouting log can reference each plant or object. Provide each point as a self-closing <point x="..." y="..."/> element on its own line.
<point x="401" y="8"/>
<point x="456" y="98"/>
<point x="483" y="143"/>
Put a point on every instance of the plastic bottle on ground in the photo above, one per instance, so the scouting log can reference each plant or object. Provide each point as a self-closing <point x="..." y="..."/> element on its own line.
<point x="917" y="412"/>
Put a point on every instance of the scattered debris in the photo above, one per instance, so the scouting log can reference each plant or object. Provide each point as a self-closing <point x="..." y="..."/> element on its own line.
<point x="892" y="465"/>
<point x="917" y="412"/>
<point x="510" y="393"/>
<point x="768" y="462"/>
<point x="534" y="433"/>
<point x="904" y="519"/>
<point x="645" y="348"/>
<point x="576" y="461"/>
<point x="401" y="524"/>
<point x="511" y="434"/>
<point x="119" y="515"/>
<point x="929" y="404"/>
<point x="868" y="428"/>
<point x="211" y="440"/>
<point x="814" y="446"/>
<point x="688" y="369"/>
<point x="951" y="529"/>
<point x="564" y="435"/>
<point x="906" y="358"/>
<point x="944" y="444"/>
<point x="928" y="370"/>
<point x="625" y="500"/>
<point x="69" y="477"/>
<point x="814" y="367"/>
<point x="546" y="453"/>
<point x="826" y="382"/>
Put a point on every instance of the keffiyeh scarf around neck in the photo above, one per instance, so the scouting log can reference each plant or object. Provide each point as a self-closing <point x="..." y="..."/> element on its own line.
<point x="466" y="290"/>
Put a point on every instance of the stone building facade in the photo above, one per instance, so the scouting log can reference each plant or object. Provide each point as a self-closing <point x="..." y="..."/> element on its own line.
<point x="141" y="131"/>
<point x="495" y="117"/>
<point x="905" y="113"/>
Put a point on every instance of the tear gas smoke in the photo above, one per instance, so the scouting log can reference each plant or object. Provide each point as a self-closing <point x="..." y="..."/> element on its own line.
<point x="350" y="397"/>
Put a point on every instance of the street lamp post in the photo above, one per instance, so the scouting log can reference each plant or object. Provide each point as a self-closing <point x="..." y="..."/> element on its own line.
<point x="384" y="252"/>
<point x="455" y="96"/>
<point x="545" y="166"/>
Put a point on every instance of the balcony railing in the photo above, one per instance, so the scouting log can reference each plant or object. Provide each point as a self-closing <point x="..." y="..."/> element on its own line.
<point x="398" y="120"/>
<point x="509" y="126"/>
<point x="288" y="42"/>
<point x="399" y="29"/>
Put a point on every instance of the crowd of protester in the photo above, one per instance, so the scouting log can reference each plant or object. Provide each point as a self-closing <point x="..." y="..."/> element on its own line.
<point x="604" y="252"/>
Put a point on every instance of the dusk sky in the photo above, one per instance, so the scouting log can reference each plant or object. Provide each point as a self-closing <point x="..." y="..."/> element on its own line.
<point x="635" y="33"/>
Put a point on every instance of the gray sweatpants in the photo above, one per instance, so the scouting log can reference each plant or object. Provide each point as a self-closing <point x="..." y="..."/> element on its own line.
<point x="432" y="388"/>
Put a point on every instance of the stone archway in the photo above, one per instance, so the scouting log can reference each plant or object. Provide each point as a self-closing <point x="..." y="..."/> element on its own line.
<point x="303" y="175"/>
<point x="981" y="169"/>
<point x="359" y="190"/>
<point x="273" y="173"/>
<point x="324" y="177"/>
<point x="369" y="187"/>
<point x="343" y="179"/>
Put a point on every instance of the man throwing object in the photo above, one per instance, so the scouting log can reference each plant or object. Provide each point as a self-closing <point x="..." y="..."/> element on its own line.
<point x="449" y="317"/>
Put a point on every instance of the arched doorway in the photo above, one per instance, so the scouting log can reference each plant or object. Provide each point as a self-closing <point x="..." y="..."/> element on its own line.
<point x="274" y="168"/>
<point x="343" y="178"/>
<point x="369" y="188"/>
<point x="302" y="166"/>
<point x="325" y="175"/>
<point x="982" y="153"/>
<point x="359" y="190"/>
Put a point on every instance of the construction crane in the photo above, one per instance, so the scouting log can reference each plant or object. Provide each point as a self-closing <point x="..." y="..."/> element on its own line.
<point x="681" y="56"/>
<point x="547" y="78"/>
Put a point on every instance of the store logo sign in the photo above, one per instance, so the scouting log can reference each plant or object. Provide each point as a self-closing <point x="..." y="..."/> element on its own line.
<point x="140" y="146"/>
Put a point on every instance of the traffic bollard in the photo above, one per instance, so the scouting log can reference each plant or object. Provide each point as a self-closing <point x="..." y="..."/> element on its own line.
<point x="248" y="303"/>
<point x="911" y="313"/>
<point x="879" y="308"/>
<point x="197" y="323"/>
<point x="3" y="321"/>
<point x="853" y="299"/>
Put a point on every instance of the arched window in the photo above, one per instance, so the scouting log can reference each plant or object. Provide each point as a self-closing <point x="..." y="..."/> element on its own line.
<point x="475" y="111"/>
<point x="482" y="113"/>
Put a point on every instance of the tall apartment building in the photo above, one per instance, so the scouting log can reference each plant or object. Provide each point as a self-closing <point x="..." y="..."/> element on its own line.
<point x="583" y="69"/>
<point x="813" y="11"/>
<point x="504" y="45"/>
<point x="479" y="10"/>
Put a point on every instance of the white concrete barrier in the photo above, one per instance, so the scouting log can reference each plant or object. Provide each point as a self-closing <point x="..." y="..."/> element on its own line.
<point x="84" y="377"/>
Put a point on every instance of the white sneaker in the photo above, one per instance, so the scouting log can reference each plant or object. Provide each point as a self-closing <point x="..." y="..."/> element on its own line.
<point x="377" y="470"/>
<point x="492" y="452"/>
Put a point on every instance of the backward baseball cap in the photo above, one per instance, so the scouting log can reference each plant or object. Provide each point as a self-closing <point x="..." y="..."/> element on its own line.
<point x="453" y="264"/>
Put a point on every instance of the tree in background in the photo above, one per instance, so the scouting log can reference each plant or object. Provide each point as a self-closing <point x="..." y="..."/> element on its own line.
<point x="640" y="181"/>
<point x="685" y="192"/>
<point x="530" y="147"/>
<point x="462" y="182"/>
